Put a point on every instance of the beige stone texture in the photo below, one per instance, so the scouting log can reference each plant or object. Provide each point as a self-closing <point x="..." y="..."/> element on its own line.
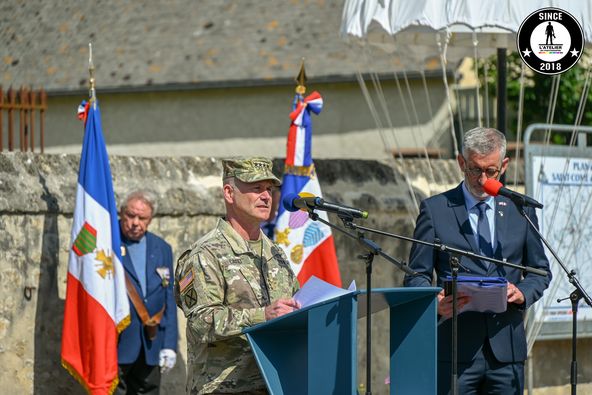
<point x="36" y="204"/>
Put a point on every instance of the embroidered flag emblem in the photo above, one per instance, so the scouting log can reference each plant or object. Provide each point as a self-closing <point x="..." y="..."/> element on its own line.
<point x="86" y="241"/>
<point x="186" y="281"/>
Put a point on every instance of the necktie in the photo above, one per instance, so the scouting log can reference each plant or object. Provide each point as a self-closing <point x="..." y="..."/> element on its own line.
<point x="483" y="232"/>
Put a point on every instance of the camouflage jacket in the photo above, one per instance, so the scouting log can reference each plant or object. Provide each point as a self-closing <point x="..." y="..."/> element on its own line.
<point x="221" y="289"/>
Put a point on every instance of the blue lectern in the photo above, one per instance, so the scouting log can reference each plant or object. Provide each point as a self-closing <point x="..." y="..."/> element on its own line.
<point x="314" y="350"/>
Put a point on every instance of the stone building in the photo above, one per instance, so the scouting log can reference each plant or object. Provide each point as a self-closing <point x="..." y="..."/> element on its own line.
<point x="179" y="78"/>
<point x="36" y="206"/>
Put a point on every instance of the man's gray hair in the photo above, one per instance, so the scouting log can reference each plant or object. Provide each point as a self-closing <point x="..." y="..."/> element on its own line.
<point x="229" y="180"/>
<point x="146" y="196"/>
<point x="484" y="141"/>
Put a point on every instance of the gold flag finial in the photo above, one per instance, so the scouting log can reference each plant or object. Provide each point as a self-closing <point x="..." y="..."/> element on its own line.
<point x="91" y="72"/>
<point x="301" y="80"/>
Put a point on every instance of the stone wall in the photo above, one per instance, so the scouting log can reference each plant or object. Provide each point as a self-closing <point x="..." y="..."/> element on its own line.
<point x="37" y="194"/>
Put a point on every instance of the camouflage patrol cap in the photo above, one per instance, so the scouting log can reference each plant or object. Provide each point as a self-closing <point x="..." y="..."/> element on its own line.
<point x="250" y="170"/>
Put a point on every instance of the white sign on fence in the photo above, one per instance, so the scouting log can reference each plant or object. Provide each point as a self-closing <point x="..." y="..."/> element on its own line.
<point x="564" y="187"/>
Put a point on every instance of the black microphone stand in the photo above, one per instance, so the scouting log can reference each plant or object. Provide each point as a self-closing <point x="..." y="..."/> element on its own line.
<point x="373" y="250"/>
<point x="575" y="297"/>
<point x="455" y="253"/>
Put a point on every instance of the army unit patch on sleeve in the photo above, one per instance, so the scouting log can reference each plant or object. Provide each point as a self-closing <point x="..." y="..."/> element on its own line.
<point x="190" y="297"/>
<point x="186" y="289"/>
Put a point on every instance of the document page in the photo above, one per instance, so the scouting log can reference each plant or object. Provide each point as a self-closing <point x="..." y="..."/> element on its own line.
<point x="316" y="290"/>
<point x="488" y="294"/>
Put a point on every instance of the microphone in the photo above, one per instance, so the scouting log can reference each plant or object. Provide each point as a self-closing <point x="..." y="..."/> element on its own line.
<point x="494" y="187"/>
<point x="294" y="202"/>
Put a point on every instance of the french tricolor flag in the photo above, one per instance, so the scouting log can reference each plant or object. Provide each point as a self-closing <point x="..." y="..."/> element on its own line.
<point x="96" y="308"/>
<point x="308" y="244"/>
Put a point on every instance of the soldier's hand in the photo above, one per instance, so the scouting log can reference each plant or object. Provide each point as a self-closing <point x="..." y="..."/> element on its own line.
<point x="280" y="307"/>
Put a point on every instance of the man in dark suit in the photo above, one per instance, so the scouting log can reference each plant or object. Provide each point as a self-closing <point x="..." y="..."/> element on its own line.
<point x="148" y="346"/>
<point x="491" y="347"/>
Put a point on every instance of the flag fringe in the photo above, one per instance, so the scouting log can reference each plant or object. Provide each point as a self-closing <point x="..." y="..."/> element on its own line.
<point x="75" y="374"/>
<point x="304" y="171"/>
<point x="124" y="323"/>
<point x="83" y="383"/>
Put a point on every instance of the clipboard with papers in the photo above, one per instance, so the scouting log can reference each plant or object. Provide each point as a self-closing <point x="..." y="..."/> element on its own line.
<point x="488" y="294"/>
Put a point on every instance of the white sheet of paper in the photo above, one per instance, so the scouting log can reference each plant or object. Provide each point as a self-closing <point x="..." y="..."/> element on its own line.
<point x="316" y="290"/>
<point x="484" y="299"/>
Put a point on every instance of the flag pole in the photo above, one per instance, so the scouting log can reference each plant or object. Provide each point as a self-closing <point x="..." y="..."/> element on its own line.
<point x="301" y="80"/>
<point x="91" y="80"/>
<point x="96" y="308"/>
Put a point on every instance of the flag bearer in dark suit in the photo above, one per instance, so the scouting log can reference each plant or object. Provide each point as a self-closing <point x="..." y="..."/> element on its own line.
<point x="491" y="347"/>
<point x="148" y="346"/>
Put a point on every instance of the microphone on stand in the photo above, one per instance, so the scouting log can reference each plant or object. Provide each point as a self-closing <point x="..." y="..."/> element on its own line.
<point x="494" y="187"/>
<point x="294" y="202"/>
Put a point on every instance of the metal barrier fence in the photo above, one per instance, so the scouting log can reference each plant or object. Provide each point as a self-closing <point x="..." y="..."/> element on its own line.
<point x="22" y="107"/>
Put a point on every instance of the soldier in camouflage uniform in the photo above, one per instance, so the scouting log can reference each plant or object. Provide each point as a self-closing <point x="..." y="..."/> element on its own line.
<point x="232" y="278"/>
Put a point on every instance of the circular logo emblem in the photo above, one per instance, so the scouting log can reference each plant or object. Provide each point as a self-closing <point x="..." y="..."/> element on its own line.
<point x="550" y="41"/>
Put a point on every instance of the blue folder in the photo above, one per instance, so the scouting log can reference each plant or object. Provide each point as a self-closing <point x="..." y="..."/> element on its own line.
<point x="488" y="294"/>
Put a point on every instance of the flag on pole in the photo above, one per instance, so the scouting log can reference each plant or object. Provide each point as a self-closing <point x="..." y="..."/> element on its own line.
<point x="96" y="308"/>
<point x="308" y="244"/>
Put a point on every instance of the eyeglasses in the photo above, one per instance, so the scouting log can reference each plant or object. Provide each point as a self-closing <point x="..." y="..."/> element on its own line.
<point x="490" y="172"/>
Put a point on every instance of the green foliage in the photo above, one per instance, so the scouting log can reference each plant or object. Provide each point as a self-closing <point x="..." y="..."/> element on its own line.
<point x="537" y="94"/>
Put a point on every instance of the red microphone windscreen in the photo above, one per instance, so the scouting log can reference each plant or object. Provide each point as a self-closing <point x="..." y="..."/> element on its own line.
<point x="492" y="186"/>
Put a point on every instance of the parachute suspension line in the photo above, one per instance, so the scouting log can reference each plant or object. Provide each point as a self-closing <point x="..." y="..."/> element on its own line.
<point x="580" y="219"/>
<point x="429" y="104"/>
<point x="572" y="143"/>
<point x="402" y="162"/>
<point x="372" y="108"/>
<point x="382" y="100"/>
<point x="556" y="207"/>
<point x="578" y="120"/>
<point x="519" y="125"/>
<point x="414" y="110"/>
<point x="406" y="111"/>
<point x="423" y="144"/>
<point x="485" y="77"/>
<point x="476" y="66"/>
<point x="404" y="104"/>
<point x="572" y="216"/>
<point x="409" y="122"/>
<point x="399" y="156"/>
<point x="388" y="148"/>
<point x="579" y="117"/>
<point x="581" y="107"/>
<point x="458" y="106"/>
<point x="442" y="48"/>
<point x="552" y="107"/>
<point x="549" y="120"/>
<point x="534" y="329"/>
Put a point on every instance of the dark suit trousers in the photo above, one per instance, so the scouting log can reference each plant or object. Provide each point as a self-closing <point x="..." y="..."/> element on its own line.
<point x="483" y="376"/>
<point x="138" y="378"/>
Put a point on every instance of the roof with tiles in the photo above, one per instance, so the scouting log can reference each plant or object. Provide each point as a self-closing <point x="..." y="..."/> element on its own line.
<point x="177" y="43"/>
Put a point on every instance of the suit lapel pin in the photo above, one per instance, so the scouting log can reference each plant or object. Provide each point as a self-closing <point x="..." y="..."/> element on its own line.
<point x="164" y="274"/>
<point x="501" y="213"/>
<point x="502" y="203"/>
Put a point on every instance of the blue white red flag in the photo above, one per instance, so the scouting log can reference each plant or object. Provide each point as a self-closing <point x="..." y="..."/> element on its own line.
<point x="308" y="244"/>
<point x="97" y="306"/>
